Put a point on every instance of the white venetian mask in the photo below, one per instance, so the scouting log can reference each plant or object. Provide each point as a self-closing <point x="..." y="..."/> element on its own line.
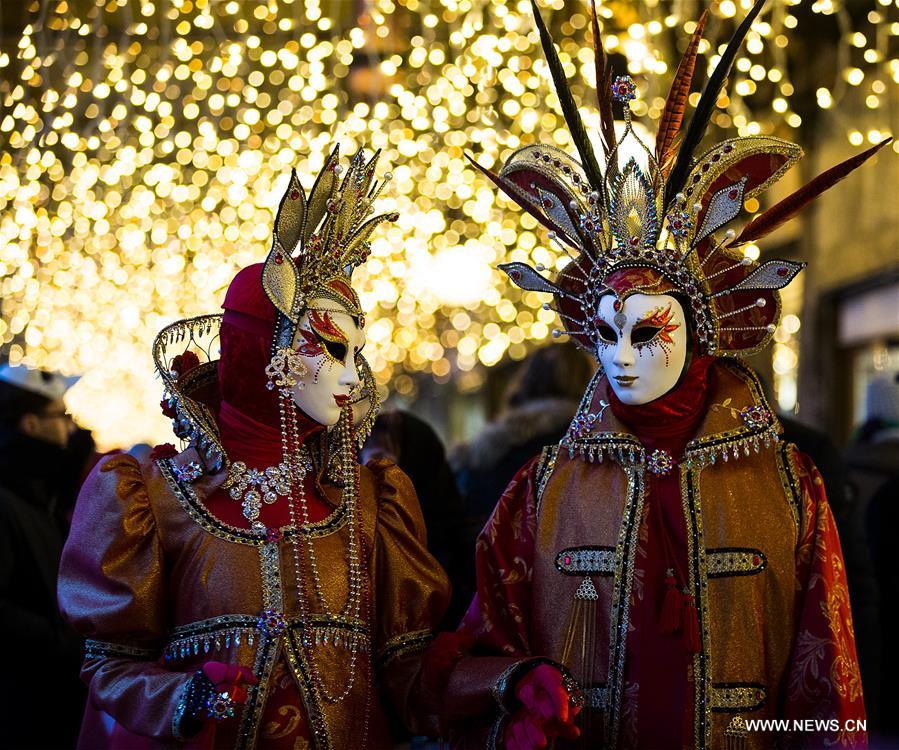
<point x="327" y="342"/>
<point x="641" y="344"/>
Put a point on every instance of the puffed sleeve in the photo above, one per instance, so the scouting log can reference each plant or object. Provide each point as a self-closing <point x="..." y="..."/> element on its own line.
<point x="411" y="596"/>
<point x="824" y="682"/>
<point x="112" y="591"/>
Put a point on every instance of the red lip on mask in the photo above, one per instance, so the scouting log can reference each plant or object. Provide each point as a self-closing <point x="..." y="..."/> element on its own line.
<point x="341" y="401"/>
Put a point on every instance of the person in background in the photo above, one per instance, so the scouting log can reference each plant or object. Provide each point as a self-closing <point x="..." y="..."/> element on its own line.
<point x="42" y="654"/>
<point x="412" y="444"/>
<point x="539" y="405"/>
<point x="873" y="476"/>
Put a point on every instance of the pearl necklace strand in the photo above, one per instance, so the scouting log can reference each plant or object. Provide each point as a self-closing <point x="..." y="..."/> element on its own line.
<point x="295" y="458"/>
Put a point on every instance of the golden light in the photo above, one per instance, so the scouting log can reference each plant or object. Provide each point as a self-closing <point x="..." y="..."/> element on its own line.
<point x="145" y="146"/>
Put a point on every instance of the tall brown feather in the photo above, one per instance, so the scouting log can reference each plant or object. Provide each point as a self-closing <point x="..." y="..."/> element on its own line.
<point x="791" y="205"/>
<point x="603" y="88"/>
<point x="676" y="103"/>
<point x="566" y="101"/>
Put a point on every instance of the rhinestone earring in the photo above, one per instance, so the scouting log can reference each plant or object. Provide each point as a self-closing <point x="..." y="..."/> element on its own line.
<point x="286" y="370"/>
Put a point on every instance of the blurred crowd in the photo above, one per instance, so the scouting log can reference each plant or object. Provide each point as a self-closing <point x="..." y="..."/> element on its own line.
<point x="44" y="457"/>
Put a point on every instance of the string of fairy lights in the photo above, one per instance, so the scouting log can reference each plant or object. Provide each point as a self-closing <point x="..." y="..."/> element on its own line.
<point x="146" y="144"/>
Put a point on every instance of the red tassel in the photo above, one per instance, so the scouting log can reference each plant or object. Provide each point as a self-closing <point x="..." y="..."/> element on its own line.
<point x="671" y="608"/>
<point x="692" y="641"/>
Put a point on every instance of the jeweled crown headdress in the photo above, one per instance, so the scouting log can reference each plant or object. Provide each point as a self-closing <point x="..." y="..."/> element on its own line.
<point x="319" y="239"/>
<point x="652" y="229"/>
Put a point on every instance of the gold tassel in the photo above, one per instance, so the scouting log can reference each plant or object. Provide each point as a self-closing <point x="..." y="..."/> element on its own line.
<point x="582" y="630"/>
<point x="735" y="734"/>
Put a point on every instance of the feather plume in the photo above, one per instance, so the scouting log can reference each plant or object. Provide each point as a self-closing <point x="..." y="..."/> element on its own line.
<point x="603" y="88"/>
<point x="786" y="209"/>
<point x="673" y="114"/>
<point x="700" y="120"/>
<point x="569" y="108"/>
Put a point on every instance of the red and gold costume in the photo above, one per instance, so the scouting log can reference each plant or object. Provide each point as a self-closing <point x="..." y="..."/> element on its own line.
<point x="163" y="571"/>
<point x="764" y="568"/>
<point x="671" y="558"/>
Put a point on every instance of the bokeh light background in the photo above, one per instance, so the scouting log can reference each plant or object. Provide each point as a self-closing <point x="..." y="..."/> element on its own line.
<point x="145" y="145"/>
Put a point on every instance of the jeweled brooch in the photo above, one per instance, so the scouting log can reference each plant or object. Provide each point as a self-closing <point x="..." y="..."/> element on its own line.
<point x="660" y="462"/>
<point x="755" y="416"/>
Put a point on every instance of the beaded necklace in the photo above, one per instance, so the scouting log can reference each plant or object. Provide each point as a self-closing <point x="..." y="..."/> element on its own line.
<point x="296" y="458"/>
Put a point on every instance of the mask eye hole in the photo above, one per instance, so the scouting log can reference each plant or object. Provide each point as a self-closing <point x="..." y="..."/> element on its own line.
<point x="335" y="349"/>
<point x="606" y="333"/>
<point x="644" y="334"/>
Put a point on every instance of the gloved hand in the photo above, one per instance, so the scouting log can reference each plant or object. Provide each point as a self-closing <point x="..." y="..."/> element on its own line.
<point x="214" y="692"/>
<point x="547" y="710"/>
<point x="229" y="687"/>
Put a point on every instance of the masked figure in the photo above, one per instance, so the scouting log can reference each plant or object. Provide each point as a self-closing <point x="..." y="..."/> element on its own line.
<point x="261" y="588"/>
<point x="670" y="571"/>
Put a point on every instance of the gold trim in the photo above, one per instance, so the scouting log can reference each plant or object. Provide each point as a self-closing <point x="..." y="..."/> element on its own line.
<point x="698" y="582"/>
<point x="545" y="468"/>
<point x="94" y="649"/>
<point x="190" y="501"/>
<point x="201" y="422"/>
<point x="402" y="644"/>
<point x="738" y="697"/>
<point x="625" y="554"/>
<point x="789" y="479"/>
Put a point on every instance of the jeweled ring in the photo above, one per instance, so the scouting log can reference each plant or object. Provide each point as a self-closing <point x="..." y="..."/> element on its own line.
<point x="220" y="705"/>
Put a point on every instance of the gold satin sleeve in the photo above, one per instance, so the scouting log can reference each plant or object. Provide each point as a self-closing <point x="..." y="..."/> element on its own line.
<point x="412" y="594"/>
<point x="112" y="591"/>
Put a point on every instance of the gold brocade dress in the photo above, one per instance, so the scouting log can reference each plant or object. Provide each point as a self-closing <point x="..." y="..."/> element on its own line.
<point x="159" y="585"/>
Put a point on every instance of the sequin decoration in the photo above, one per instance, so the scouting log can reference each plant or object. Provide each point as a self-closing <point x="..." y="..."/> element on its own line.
<point x="724" y="206"/>
<point x="188" y="472"/>
<point x="679" y="223"/>
<point x="660" y="462"/>
<point x="271" y="622"/>
<point x="755" y="417"/>
<point x="774" y="274"/>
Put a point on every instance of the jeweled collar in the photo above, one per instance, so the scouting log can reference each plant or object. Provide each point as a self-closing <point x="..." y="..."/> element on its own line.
<point x="737" y="420"/>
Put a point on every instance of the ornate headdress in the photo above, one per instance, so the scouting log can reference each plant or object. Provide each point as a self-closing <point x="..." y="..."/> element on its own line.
<point x="317" y="242"/>
<point x="651" y="228"/>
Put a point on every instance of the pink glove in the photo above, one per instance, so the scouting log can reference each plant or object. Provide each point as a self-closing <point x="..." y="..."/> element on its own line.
<point x="547" y="710"/>
<point x="231" y="679"/>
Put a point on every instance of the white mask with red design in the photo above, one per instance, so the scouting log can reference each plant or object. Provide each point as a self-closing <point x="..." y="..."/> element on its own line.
<point x="641" y="344"/>
<point x="327" y="341"/>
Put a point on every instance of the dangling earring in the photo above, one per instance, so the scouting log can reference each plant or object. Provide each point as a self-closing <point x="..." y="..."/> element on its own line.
<point x="286" y="370"/>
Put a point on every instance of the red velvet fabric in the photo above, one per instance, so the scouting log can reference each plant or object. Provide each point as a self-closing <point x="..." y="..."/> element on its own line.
<point x="249" y="415"/>
<point x="668" y="423"/>
<point x="259" y="446"/>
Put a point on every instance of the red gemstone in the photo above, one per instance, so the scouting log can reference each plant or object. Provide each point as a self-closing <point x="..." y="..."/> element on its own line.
<point x="279" y="259"/>
<point x="728" y="148"/>
<point x="568" y="559"/>
<point x="756" y="560"/>
<point x="294" y="194"/>
<point x="782" y="271"/>
<point x="617" y="305"/>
